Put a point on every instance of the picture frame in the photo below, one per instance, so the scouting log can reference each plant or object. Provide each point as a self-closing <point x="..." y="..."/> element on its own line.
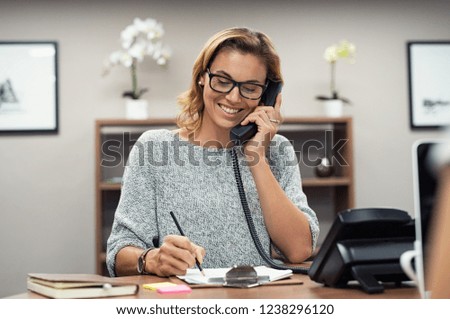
<point x="428" y="84"/>
<point x="29" y="87"/>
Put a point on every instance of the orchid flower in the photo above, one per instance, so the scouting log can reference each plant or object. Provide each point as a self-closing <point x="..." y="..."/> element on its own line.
<point x="140" y="39"/>
<point x="343" y="50"/>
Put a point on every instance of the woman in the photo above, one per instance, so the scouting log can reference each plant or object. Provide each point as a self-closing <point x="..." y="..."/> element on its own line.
<point x="189" y="172"/>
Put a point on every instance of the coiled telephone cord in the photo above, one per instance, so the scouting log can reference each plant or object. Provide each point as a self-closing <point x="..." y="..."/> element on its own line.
<point x="251" y="225"/>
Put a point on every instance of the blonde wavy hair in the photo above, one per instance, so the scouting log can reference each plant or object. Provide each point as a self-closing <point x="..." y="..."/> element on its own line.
<point x="243" y="40"/>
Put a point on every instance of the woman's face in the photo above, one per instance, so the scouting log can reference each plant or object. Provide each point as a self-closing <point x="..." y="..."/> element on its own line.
<point x="226" y="110"/>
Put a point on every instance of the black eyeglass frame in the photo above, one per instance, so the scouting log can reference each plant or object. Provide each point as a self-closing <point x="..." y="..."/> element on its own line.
<point x="235" y="83"/>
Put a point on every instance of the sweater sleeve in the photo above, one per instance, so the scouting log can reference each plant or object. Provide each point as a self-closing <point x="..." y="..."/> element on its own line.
<point x="131" y="226"/>
<point x="287" y="172"/>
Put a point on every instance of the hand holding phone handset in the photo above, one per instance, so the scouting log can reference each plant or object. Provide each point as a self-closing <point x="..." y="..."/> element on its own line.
<point x="239" y="135"/>
<point x="242" y="133"/>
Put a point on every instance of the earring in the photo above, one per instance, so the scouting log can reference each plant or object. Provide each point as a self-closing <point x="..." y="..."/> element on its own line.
<point x="200" y="83"/>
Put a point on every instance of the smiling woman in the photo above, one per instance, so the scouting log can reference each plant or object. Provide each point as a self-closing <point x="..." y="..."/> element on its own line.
<point x="238" y="40"/>
<point x="229" y="78"/>
<point x="224" y="104"/>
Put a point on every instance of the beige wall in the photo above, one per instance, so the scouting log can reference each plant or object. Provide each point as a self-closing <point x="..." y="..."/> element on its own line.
<point x="47" y="182"/>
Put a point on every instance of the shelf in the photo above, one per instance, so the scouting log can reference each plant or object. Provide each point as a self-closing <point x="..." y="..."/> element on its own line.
<point x="149" y="122"/>
<point x="306" y="182"/>
<point x="324" y="182"/>
<point x="110" y="186"/>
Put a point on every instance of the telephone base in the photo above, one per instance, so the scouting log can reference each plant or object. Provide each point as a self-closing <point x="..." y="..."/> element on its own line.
<point x="365" y="245"/>
<point x="368" y="261"/>
<point x="369" y="276"/>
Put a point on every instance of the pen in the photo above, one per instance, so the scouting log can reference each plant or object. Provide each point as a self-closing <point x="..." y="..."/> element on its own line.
<point x="182" y="234"/>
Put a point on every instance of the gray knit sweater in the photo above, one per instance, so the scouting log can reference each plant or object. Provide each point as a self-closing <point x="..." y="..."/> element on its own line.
<point x="166" y="174"/>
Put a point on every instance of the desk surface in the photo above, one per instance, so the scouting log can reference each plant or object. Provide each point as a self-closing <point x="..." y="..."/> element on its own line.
<point x="307" y="290"/>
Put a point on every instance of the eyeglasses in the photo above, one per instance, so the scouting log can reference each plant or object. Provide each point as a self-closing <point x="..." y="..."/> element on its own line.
<point x="223" y="84"/>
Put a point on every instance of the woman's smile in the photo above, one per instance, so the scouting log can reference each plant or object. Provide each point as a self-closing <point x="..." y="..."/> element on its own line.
<point x="229" y="110"/>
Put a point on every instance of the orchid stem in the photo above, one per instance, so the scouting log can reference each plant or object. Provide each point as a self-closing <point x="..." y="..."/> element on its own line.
<point x="134" y="80"/>
<point x="332" y="81"/>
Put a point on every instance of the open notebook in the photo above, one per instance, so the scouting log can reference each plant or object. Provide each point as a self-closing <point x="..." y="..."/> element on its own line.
<point x="216" y="276"/>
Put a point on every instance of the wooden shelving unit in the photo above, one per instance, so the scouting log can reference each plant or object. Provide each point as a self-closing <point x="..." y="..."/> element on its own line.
<point x="312" y="137"/>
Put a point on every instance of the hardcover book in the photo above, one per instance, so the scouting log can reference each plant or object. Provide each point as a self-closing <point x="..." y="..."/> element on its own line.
<point x="68" y="286"/>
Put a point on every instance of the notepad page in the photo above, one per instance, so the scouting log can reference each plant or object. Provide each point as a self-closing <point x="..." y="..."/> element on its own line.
<point x="212" y="276"/>
<point x="217" y="275"/>
<point x="273" y="274"/>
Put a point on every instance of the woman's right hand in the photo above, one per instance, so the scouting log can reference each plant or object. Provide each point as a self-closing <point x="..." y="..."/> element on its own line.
<point x="174" y="257"/>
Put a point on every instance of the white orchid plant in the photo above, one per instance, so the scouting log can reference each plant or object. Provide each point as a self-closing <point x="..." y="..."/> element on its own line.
<point x="141" y="38"/>
<point x="343" y="50"/>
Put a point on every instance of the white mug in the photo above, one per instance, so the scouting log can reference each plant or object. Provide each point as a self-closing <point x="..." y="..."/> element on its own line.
<point x="406" y="261"/>
<point x="417" y="274"/>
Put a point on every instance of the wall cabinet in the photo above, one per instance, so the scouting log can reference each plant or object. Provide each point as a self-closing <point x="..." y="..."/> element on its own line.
<point x="312" y="137"/>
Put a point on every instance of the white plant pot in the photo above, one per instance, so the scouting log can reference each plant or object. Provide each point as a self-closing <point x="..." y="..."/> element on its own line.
<point x="333" y="108"/>
<point x="136" y="109"/>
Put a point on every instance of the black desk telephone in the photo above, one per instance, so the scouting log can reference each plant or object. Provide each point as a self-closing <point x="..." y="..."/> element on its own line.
<point x="241" y="134"/>
<point x="365" y="245"/>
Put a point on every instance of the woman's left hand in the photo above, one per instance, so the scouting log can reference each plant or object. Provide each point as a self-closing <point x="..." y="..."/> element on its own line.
<point x="268" y="119"/>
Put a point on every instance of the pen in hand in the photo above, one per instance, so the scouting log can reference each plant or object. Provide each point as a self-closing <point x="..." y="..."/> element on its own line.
<point x="182" y="234"/>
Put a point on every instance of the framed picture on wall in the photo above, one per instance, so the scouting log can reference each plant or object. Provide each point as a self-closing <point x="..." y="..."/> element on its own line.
<point x="429" y="83"/>
<point x="29" y="87"/>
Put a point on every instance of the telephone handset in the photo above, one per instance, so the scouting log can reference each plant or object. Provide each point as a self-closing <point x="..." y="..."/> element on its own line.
<point x="241" y="134"/>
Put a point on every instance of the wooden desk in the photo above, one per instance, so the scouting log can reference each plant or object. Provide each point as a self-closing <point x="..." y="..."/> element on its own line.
<point x="308" y="290"/>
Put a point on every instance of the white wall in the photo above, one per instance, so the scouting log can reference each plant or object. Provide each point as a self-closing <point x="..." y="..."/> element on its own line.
<point x="47" y="182"/>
